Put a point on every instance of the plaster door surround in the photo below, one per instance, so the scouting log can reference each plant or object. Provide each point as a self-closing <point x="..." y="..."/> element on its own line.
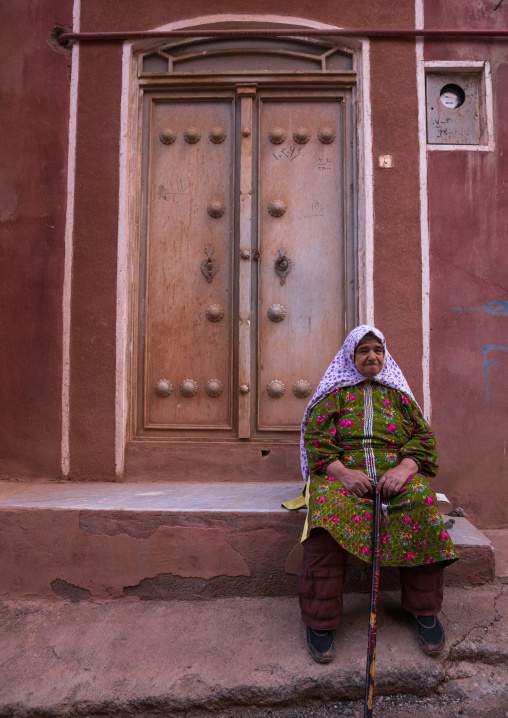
<point x="247" y="261"/>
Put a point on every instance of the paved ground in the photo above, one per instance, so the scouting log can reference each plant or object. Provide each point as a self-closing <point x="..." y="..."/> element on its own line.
<point x="499" y="538"/>
<point x="148" y="658"/>
<point x="399" y="706"/>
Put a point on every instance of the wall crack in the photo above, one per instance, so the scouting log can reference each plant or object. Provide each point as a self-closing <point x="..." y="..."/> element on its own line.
<point x="471" y="274"/>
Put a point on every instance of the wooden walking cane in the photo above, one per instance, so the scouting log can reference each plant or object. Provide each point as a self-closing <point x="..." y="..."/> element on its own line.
<point x="371" y="647"/>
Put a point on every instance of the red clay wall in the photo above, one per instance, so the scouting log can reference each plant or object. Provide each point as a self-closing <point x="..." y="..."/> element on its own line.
<point x="93" y="304"/>
<point x="397" y="250"/>
<point x="468" y="211"/>
<point x="34" y="82"/>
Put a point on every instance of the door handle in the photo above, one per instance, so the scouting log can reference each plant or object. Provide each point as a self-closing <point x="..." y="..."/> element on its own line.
<point x="246" y="254"/>
<point x="283" y="265"/>
<point x="209" y="266"/>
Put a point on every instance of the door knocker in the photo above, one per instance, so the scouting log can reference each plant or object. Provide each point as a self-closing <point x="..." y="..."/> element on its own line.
<point x="283" y="265"/>
<point x="209" y="266"/>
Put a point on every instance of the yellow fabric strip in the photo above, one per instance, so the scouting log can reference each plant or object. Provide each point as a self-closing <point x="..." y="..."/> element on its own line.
<point x="295" y="504"/>
<point x="305" y="532"/>
<point x="299" y="503"/>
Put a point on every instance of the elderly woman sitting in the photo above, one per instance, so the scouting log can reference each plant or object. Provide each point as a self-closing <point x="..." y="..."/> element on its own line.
<point x="363" y="424"/>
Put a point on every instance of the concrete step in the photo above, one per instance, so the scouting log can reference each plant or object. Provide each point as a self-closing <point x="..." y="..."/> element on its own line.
<point x="499" y="540"/>
<point x="166" y="658"/>
<point x="173" y="541"/>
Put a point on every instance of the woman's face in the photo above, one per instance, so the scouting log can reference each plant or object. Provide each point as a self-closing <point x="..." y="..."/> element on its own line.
<point x="369" y="357"/>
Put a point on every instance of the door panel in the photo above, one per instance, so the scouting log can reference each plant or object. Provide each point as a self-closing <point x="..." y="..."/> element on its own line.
<point x="301" y="223"/>
<point x="244" y="297"/>
<point x="189" y="266"/>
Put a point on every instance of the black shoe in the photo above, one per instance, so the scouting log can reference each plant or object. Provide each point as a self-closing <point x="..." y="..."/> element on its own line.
<point x="320" y="644"/>
<point x="431" y="635"/>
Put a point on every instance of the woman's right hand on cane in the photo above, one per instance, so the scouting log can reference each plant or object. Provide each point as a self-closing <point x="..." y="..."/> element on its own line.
<point x="355" y="481"/>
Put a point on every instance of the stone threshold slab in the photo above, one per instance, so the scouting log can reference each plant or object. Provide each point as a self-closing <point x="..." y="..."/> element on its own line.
<point x="181" y="498"/>
<point x="241" y="497"/>
<point x="173" y="541"/>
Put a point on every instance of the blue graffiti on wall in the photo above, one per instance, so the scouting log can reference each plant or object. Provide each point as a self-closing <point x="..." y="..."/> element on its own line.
<point x="499" y="307"/>
<point x="486" y="365"/>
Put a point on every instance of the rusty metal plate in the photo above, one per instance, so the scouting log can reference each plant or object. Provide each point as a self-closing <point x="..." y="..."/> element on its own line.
<point x="454" y="108"/>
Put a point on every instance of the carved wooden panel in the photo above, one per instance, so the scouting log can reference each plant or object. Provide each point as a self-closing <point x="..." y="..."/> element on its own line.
<point x="301" y="272"/>
<point x="188" y="351"/>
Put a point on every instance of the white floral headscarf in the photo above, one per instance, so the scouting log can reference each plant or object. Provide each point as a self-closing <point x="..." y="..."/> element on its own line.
<point x="343" y="372"/>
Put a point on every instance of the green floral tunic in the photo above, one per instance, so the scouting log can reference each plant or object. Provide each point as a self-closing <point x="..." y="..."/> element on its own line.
<point x="372" y="428"/>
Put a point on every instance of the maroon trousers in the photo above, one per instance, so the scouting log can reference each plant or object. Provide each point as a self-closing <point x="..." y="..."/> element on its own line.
<point x="322" y="583"/>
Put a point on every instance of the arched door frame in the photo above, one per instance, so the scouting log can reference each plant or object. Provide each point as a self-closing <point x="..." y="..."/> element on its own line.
<point x="127" y="253"/>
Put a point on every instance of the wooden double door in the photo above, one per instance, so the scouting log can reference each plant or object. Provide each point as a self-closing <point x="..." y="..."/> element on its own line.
<point x="248" y="281"/>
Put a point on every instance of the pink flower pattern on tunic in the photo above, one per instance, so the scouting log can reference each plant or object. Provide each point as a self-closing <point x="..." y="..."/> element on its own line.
<point x="412" y="532"/>
<point x="343" y="372"/>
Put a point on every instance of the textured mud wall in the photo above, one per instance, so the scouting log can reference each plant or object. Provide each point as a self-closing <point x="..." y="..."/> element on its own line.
<point x="397" y="250"/>
<point x="34" y="82"/>
<point x="468" y="211"/>
<point x="95" y="238"/>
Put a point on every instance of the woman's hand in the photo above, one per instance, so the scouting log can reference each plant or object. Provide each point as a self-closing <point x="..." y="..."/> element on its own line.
<point x="353" y="480"/>
<point x="394" y="479"/>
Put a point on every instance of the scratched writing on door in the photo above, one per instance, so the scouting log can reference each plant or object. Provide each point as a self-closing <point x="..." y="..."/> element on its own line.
<point x="313" y="209"/>
<point x="179" y="185"/>
<point x="324" y="163"/>
<point x="288" y="153"/>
